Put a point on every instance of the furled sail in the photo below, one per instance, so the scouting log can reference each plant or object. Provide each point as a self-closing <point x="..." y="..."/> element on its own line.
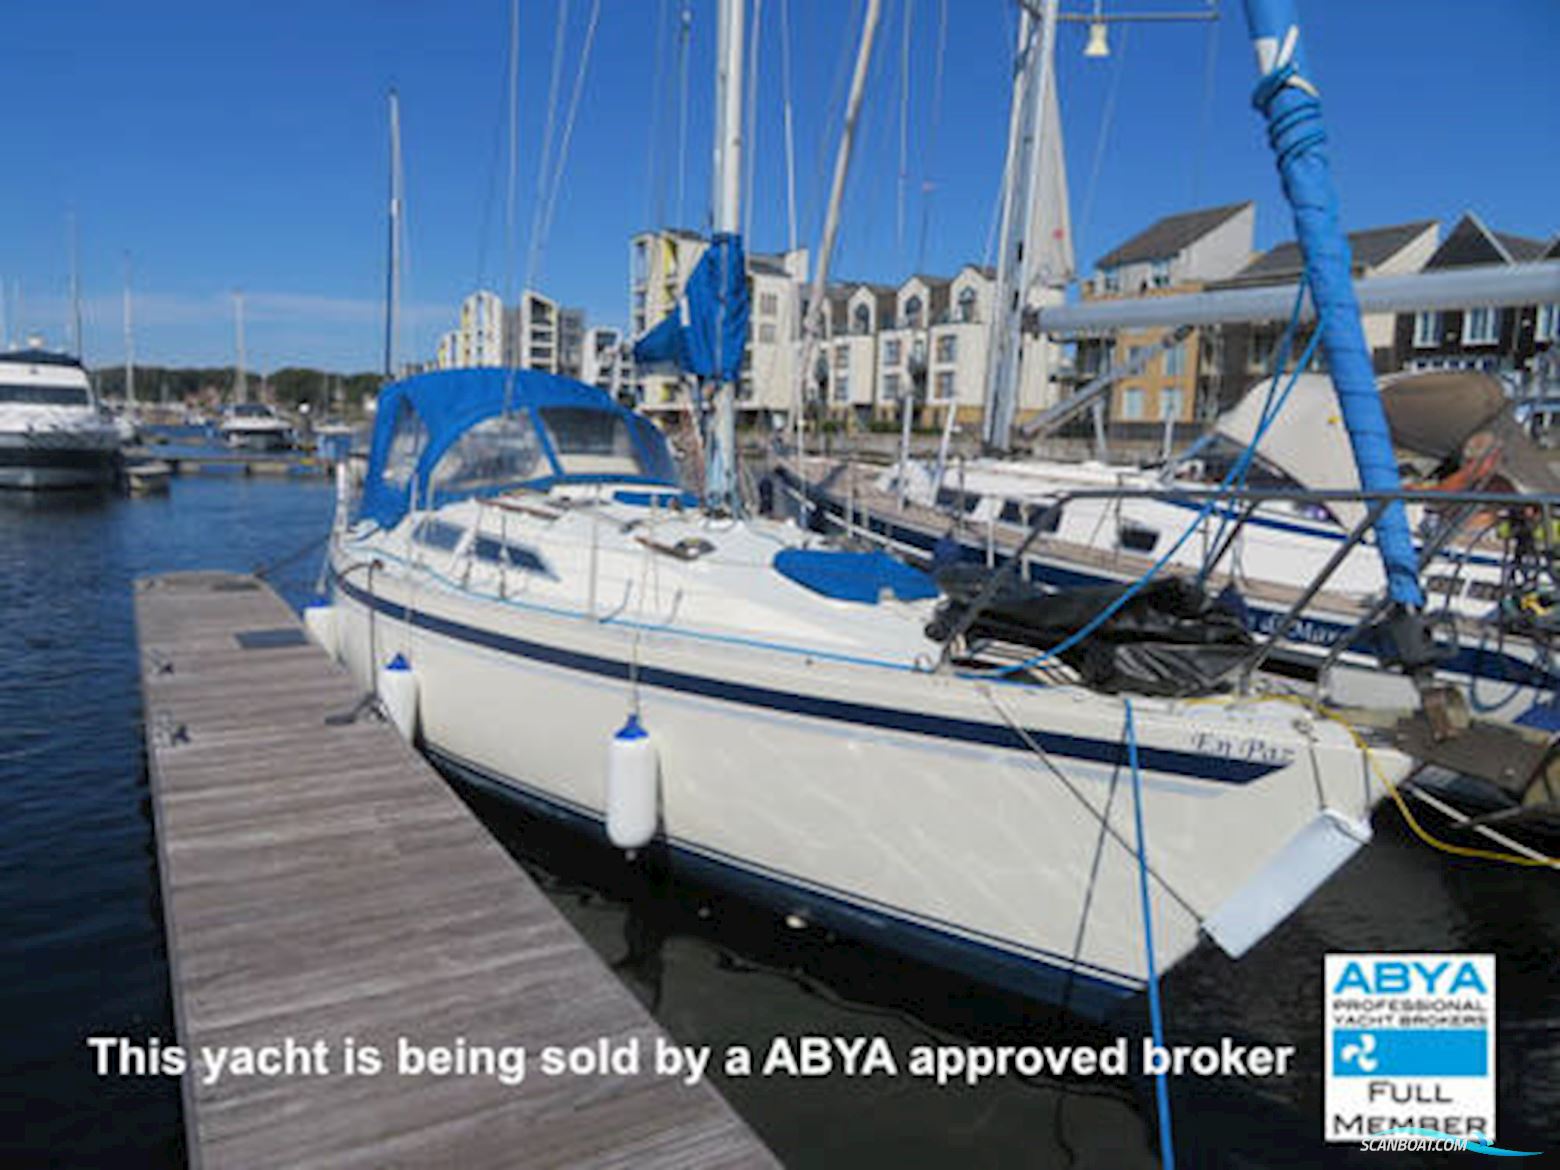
<point x="1289" y="102"/>
<point x="707" y="332"/>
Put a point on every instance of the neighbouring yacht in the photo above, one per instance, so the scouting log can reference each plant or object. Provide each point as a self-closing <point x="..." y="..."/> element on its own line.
<point x="255" y="426"/>
<point x="52" y="433"/>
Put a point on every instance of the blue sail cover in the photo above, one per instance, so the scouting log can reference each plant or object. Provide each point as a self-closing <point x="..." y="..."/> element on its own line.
<point x="453" y="434"/>
<point x="1294" y="117"/>
<point x="707" y="333"/>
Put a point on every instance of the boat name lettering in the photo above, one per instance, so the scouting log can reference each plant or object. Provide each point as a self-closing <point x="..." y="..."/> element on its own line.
<point x="1232" y="748"/>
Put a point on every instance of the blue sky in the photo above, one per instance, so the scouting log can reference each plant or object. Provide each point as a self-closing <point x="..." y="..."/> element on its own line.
<point x="228" y="145"/>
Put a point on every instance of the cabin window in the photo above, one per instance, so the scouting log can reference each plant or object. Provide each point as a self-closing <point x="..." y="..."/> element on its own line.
<point x="1481" y="326"/>
<point x="407" y="440"/>
<point x="439" y="534"/>
<point x="1427" y="329"/>
<point x="1012" y="512"/>
<point x="1135" y="538"/>
<point x="1447" y="583"/>
<point x="971" y="501"/>
<point x="1547" y="327"/>
<point x="590" y="442"/>
<point x="44" y="395"/>
<point x="1484" y="590"/>
<point x="487" y="548"/>
<point x="496" y="453"/>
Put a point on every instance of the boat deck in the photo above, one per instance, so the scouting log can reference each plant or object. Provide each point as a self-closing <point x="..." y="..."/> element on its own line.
<point x="320" y="881"/>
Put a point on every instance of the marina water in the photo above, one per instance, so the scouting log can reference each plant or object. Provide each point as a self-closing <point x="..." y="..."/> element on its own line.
<point x="82" y="951"/>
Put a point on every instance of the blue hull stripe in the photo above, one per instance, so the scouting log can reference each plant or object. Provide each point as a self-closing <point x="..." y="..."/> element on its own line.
<point x="1038" y="974"/>
<point x="998" y="735"/>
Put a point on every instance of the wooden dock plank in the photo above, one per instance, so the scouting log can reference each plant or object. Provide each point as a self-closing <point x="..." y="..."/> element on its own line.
<point x="321" y="881"/>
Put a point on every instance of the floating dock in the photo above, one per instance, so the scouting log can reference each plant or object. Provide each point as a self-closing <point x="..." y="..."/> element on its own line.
<point x="277" y="463"/>
<point x="320" y="881"/>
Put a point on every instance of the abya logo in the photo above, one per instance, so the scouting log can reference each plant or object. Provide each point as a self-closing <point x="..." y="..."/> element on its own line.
<point x="1410" y="1049"/>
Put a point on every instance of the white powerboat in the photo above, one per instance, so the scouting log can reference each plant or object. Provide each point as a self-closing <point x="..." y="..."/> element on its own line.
<point x="526" y="562"/>
<point x="52" y="434"/>
<point x="254" y="426"/>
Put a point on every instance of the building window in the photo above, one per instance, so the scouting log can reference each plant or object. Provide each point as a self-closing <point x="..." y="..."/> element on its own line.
<point x="1112" y="280"/>
<point x="1132" y="403"/>
<point x="947" y="348"/>
<point x="841" y="357"/>
<point x="1169" y="403"/>
<point x="913" y="312"/>
<point x="891" y="352"/>
<point x="766" y="333"/>
<point x="1547" y="327"/>
<point x="1159" y="276"/>
<point x="768" y="305"/>
<point x="1427" y="330"/>
<point x="861" y="319"/>
<point x="945" y="384"/>
<point x="891" y="387"/>
<point x="842" y="386"/>
<point x="1175" y="360"/>
<point x="1481" y="326"/>
<point x="967" y="304"/>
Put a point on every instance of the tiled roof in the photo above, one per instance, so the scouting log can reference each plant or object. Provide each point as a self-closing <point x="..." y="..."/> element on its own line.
<point x="1370" y="248"/>
<point x="1171" y="234"/>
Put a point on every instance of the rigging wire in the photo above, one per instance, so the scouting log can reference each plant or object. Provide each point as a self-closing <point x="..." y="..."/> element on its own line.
<point x="484" y="234"/>
<point x="790" y="135"/>
<point x="904" y="128"/>
<point x="685" y="29"/>
<point x="549" y="128"/>
<point x="749" y="153"/>
<point x="928" y="186"/>
<point x="1210" y="65"/>
<point x="655" y="193"/>
<point x="561" y="162"/>
<point x="1107" y="118"/>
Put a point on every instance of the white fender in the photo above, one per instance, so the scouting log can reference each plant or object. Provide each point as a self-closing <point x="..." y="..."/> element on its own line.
<point x="319" y="619"/>
<point x="633" y="786"/>
<point x="398" y="693"/>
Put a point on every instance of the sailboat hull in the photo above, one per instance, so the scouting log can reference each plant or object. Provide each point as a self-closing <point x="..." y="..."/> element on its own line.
<point x="899" y="806"/>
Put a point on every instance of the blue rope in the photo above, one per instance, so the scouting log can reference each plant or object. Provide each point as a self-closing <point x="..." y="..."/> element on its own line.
<point x="1156" y="1017"/>
<point x="1131" y="591"/>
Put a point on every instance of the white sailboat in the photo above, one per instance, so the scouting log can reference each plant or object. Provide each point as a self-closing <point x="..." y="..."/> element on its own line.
<point x="528" y="592"/>
<point x="253" y="426"/>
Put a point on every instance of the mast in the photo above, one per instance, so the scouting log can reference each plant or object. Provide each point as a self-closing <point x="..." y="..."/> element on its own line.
<point x="1292" y="108"/>
<point x="817" y="294"/>
<point x="1034" y="201"/>
<point x="75" y="290"/>
<point x="129" y="346"/>
<point x="240" y="382"/>
<point x="726" y="199"/>
<point x="393" y="268"/>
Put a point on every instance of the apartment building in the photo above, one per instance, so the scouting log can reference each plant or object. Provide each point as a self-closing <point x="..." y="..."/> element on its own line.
<point x="1238" y="355"/>
<point x="479" y="337"/>
<point x="660" y="263"/>
<point x="1177" y="254"/>
<point x="1508" y="340"/>
<point x="604" y="362"/>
